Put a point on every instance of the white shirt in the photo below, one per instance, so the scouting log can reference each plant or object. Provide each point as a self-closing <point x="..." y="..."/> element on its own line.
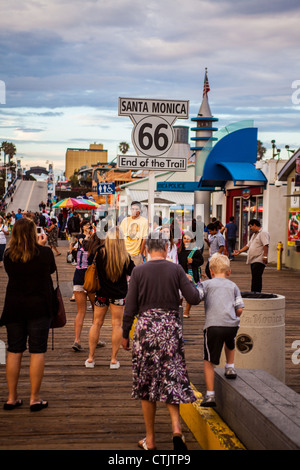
<point x="256" y="246"/>
<point x="2" y="234"/>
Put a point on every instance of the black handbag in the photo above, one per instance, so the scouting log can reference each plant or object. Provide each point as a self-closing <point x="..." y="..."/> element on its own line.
<point x="59" y="319"/>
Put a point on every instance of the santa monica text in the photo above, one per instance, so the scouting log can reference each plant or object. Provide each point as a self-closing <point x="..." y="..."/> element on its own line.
<point x="131" y="106"/>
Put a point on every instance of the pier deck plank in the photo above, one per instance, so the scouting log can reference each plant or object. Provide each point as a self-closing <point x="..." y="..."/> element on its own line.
<point x="92" y="409"/>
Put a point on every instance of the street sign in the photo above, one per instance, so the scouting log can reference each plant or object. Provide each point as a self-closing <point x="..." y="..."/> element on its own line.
<point x="106" y="188"/>
<point x="138" y="162"/>
<point x="178" y="186"/>
<point x="153" y="134"/>
<point x="152" y="137"/>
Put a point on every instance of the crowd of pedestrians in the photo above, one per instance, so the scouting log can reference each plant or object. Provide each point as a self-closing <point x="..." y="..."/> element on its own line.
<point x="143" y="275"/>
<point x="9" y="195"/>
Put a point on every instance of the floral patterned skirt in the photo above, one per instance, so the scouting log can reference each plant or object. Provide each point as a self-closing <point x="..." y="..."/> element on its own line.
<point x="158" y="363"/>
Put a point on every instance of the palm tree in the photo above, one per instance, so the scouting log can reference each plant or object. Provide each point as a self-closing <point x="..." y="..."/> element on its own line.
<point x="261" y="150"/>
<point x="9" y="149"/>
<point x="123" y="147"/>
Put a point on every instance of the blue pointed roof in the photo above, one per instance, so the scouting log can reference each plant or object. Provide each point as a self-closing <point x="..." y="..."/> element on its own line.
<point x="233" y="158"/>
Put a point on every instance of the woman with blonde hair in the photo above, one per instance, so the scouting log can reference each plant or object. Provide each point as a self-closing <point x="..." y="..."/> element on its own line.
<point x="28" y="308"/>
<point x="114" y="265"/>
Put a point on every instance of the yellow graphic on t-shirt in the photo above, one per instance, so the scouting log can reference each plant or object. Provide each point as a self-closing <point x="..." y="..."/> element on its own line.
<point x="133" y="232"/>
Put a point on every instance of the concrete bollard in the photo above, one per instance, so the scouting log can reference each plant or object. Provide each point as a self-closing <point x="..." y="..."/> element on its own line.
<point x="260" y="341"/>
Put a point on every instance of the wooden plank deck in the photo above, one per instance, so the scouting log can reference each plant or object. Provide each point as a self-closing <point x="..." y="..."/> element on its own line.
<point x="92" y="409"/>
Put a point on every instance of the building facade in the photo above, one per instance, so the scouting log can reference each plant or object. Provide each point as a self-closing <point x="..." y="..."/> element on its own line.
<point x="77" y="157"/>
<point x="264" y="202"/>
<point x="290" y="174"/>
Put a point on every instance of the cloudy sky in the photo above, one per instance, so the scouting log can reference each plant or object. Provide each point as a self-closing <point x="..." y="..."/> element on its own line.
<point x="65" y="63"/>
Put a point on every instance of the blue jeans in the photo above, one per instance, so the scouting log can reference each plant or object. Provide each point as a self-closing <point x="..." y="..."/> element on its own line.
<point x="230" y="247"/>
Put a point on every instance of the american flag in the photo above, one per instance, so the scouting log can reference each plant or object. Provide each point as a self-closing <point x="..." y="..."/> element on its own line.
<point x="206" y="88"/>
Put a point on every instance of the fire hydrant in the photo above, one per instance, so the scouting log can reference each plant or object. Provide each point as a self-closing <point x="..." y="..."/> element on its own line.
<point x="279" y="255"/>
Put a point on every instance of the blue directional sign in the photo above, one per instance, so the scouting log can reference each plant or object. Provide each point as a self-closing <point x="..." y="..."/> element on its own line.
<point x="106" y="188"/>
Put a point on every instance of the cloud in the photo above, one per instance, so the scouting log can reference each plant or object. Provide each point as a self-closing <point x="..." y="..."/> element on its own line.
<point x="67" y="62"/>
<point x="70" y="54"/>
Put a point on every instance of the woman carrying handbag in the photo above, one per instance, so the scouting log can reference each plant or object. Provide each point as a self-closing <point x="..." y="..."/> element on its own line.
<point x="28" y="308"/>
<point x="114" y="265"/>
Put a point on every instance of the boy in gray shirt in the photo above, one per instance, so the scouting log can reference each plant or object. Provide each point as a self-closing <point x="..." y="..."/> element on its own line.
<point x="223" y="307"/>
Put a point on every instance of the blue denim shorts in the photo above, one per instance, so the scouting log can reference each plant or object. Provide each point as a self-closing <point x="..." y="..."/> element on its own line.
<point x="36" y="330"/>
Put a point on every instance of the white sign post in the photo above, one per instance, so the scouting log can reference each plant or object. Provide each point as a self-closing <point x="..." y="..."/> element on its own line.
<point x="152" y="138"/>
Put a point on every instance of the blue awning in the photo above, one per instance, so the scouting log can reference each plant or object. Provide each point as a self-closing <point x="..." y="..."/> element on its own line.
<point x="243" y="171"/>
<point x="232" y="158"/>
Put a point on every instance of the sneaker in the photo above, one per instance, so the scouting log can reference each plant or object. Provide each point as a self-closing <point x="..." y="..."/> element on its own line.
<point x="208" y="401"/>
<point x="101" y="344"/>
<point x="230" y="373"/>
<point x="115" y="365"/>
<point x="89" y="364"/>
<point x="77" y="347"/>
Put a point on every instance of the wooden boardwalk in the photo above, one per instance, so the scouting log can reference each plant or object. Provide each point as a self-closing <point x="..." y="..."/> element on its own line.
<point x="92" y="409"/>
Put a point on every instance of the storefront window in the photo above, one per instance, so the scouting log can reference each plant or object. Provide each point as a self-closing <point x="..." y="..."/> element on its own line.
<point x="244" y="210"/>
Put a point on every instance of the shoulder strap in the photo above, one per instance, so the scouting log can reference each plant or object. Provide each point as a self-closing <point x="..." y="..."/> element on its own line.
<point x="192" y="252"/>
<point x="57" y="283"/>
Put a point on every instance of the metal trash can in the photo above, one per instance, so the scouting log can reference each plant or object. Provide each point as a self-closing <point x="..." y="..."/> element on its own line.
<point x="260" y="341"/>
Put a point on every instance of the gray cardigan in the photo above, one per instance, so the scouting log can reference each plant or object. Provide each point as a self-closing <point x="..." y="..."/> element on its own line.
<point x="156" y="284"/>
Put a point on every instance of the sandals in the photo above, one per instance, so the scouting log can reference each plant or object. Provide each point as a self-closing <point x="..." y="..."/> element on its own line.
<point x="12" y="406"/>
<point x="39" y="406"/>
<point x="143" y="445"/>
<point x="34" y="407"/>
<point x="179" y="443"/>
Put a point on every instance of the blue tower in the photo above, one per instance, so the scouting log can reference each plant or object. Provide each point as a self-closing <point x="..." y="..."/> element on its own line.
<point x="204" y="130"/>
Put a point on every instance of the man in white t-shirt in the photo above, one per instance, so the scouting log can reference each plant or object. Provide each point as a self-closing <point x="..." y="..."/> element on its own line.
<point x="257" y="248"/>
<point x="135" y="229"/>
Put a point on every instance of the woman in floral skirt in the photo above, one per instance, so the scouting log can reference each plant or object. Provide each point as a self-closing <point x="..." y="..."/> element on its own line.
<point x="159" y="368"/>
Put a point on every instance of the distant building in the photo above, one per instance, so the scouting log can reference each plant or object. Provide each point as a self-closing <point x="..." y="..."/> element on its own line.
<point x="77" y="157"/>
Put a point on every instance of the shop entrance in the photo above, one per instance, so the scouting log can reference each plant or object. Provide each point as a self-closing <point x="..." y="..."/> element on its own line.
<point x="244" y="205"/>
<point x="243" y="211"/>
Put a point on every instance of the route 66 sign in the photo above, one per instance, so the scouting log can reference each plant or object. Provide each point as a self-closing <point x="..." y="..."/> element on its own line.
<point x="153" y="134"/>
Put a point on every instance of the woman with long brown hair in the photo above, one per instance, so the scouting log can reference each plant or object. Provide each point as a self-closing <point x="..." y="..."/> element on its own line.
<point x="28" y="308"/>
<point x="113" y="266"/>
<point x="190" y="258"/>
